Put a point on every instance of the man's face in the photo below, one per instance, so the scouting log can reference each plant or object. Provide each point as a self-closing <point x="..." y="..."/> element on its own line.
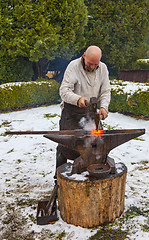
<point x="91" y="63"/>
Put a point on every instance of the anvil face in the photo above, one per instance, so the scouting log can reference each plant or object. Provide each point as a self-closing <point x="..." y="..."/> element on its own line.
<point x="93" y="147"/>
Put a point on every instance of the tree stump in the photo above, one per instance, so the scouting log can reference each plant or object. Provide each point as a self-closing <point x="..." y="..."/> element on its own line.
<point x="90" y="202"/>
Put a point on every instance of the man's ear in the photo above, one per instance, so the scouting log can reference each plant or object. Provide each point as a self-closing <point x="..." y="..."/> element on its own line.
<point x="84" y="55"/>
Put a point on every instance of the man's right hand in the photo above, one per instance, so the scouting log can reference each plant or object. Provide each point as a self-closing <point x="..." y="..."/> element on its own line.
<point x="82" y="102"/>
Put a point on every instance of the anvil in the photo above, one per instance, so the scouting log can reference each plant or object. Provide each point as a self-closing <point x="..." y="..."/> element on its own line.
<point x="92" y="146"/>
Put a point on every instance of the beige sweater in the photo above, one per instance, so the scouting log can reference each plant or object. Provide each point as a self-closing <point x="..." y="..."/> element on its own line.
<point x="76" y="83"/>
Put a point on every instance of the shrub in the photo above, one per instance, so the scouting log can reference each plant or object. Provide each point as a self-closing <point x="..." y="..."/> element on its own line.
<point x="19" y="70"/>
<point x="129" y="98"/>
<point x="118" y="101"/>
<point x="139" y="103"/>
<point x="142" y="64"/>
<point x="22" y="95"/>
<point x="135" y="102"/>
<point x="15" y="96"/>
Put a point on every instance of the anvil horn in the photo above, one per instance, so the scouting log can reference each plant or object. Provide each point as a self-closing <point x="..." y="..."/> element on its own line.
<point x="64" y="139"/>
<point x="114" y="138"/>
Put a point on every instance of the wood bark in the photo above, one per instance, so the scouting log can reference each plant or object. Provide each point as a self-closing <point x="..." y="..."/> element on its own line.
<point x="91" y="203"/>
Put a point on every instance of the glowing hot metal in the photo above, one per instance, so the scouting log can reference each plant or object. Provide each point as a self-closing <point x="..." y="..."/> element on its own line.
<point x="97" y="132"/>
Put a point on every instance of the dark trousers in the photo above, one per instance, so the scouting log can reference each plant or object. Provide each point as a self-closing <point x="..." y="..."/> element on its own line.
<point x="70" y="118"/>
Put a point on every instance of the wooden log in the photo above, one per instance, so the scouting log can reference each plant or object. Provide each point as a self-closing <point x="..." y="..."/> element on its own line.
<point x="91" y="202"/>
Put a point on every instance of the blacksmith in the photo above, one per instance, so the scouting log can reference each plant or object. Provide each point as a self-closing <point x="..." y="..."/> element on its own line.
<point x="84" y="78"/>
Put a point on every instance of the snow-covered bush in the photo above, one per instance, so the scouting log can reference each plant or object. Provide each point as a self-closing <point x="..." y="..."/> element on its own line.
<point x="142" y="63"/>
<point x="129" y="97"/>
<point x="19" y="95"/>
<point x="126" y="97"/>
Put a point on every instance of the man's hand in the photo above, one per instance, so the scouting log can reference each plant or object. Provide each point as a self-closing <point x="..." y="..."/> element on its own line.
<point x="103" y="112"/>
<point x="82" y="102"/>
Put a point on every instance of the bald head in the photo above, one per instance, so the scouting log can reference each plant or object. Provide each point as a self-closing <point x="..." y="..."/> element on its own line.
<point x="92" y="58"/>
<point x="93" y="51"/>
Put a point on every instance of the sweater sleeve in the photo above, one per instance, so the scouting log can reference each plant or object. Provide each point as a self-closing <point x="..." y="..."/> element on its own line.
<point x="67" y="87"/>
<point x="105" y="90"/>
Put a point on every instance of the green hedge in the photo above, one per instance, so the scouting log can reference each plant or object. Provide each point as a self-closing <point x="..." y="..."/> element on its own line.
<point x="136" y="104"/>
<point x="15" y="96"/>
<point x="139" y="103"/>
<point x="142" y="64"/>
<point x="118" y="102"/>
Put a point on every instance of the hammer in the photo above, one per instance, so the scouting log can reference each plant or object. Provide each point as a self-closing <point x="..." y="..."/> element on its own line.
<point x="92" y="112"/>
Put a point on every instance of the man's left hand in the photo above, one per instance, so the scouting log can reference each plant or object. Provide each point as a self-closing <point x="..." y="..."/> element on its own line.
<point x="103" y="112"/>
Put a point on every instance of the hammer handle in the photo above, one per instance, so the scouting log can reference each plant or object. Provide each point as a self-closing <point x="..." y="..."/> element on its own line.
<point x="87" y="103"/>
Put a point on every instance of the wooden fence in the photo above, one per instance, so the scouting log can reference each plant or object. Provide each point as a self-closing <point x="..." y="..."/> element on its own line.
<point x="134" y="75"/>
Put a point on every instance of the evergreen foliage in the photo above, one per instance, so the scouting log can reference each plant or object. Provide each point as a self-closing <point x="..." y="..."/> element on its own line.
<point x="137" y="104"/>
<point x="119" y="27"/>
<point x="38" y="29"/>
<point x="142" y="64"/>
<point x="19" y="70"/>
<point x="23" y="95"/>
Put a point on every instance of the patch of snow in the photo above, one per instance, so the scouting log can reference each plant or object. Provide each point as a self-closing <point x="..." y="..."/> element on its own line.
<point x="27" y="167"/>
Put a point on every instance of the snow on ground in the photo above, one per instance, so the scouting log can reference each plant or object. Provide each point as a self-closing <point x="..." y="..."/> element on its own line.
<point x="27" y="166"/>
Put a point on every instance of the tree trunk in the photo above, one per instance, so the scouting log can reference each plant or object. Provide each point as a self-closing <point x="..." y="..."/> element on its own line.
<point x="39" y="68"/>
<point x="91" y="203"/>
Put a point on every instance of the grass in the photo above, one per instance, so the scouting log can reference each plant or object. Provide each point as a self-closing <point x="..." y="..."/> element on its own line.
<point x="109" y="234"/>
<point x="128" y="221"/>
<point x="49" y="115"/>
<point x="140" y="139"/>
<point x="19" y="161"/>
<point x="145" y="228"/>
<point x="61" y="235"/>
<point x="12" y="150"/>
<point x="108" y="127"/>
